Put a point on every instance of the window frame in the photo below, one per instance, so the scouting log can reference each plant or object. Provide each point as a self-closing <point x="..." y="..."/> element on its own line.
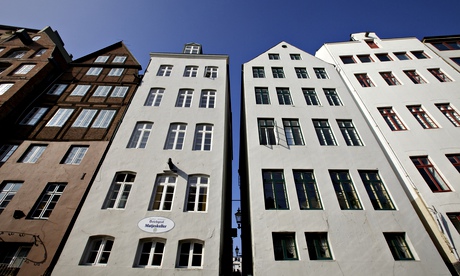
<point x="402" y="56"/>
<point x="33" y="153"/>
<point x="154" y="252"/>
<point x="119" y="91"/>
<point x="364" y="80"/>
<point x="190" y="71"/>
<point x="301" y="72"/>
<point x="439" y="75"/>
<point x="383" y="57"/>
<point x="176" y="136"/>
<point x="8" y="190"/>
<point x="274" y="188"/>
<point x="6" y="150"/>
<point x="422" y="117"/>
<point x="451" y="114"/>
<point x="311" y="98"/>
<point x="116" y="72"/>
<point x="203" y="137"/>
<point x="318" y="246"/>
<point x="284" y="96"/>
<point x="48" y="200"/>
<point x="94" y="71"/>
<point x="118" y="194"/>
<point x="414" y="76"/>
<point x="391" y="118"/>
<point x="164" y="70"/>
<point x="376" y="190"/>
<point x="195" y="252"/>
<point x="4" y="87"/>
<point x="34" y="116"/>
<point x="365" y="58"/>
<point x="163" y="193"/>
<point x="75" y="155"/>
<point x="57" y="89"/>
<point x="197" y="194"/>
<point x="140" y="135"/>
<point x="102" y="59"/>
<point x="307" y="191"/>
<point x="273" y="56"/>
<point x="320" y="73"/>
<point x="295" y="56"/>
<point x="102" y="246"/>
<point x="24" y="69"/>
<point x="293" y="132"/>
<point x="397" y="244"/>
<point x="207" y="98"/>
<point x="278" y="72"/>
<point x="60" y="117"/>
<point x="324" y="132"/>
<point x="430" y="174"/>
<point x="389" y="78"/>
<point x="345" y="191"/>
<point x="267" y="133"/>
<point x="80" y="90"/>
<point x="347" y="59"/>
<point x="420" y="54"/>
<point x="211" y="72"/>
<point x="102" y="90"/>
<point x="332" y="97"/>
<point x="154" y="97"/>
<point x="258" y="72"/>
<point x="349" y="133"/>
<point x="262" y="95"/>
<point x="454" y="158"/>
<point x="283" y="243"/>
<point x="184" y="98"/>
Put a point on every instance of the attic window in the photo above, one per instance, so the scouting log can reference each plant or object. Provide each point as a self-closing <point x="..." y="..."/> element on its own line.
<point x="102" y="59"/>
<point x="35" y="38"/>
<point x="192" y="49"/>
<point x="119" y="59"/>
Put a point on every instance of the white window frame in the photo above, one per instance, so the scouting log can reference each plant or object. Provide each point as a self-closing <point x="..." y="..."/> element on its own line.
<point x="119" y="59"/>
<point x="211" y="72"/>
<point x="184" y="98"/>
<point x="176" y="136"/>
<point x="4" y="87"/>
<point x="191" y="71"/>
<point x="154" y="97"/>
<point x="208" y="98"/>
<point x="60" y="117"/>
<point x="40" y="52"/>
<point x="116" y="72"/>
<point x="75" y="155"/>
<point x="104" y="118"/>
<point x="33" y="153"/>
<point x="164" y="70"/>
<point x="102" y="91"/>
<point x="100" y="251"/>
<point x="192" y="252"/>
<point x="119" y="91"/>
<point x="320" y="73"/>
<point x="34" y="116"/>
<point x="140" y="135"/>
<point x="163" y="193"/>
<point x="192" y="49"/>
<point x="7" y="192"/>
<point x="17" y="54"/>
<point x="101" y="59"/>
<point x="48" y="201"/>
<point x="94" y="71"/>
<point x="57" y="89"/>
<point x="119" y="191"/>
<point x="197" y="193"/>
<point x="24" y="69"/>
<point x="154" y="250"/>
<point x="6" y="150"/>
<point x="85" y="118"/>
<point x="80" y="90"/>
<point x="203" y="137"/>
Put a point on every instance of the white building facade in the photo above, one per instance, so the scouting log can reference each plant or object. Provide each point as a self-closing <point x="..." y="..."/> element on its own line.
<point x="318" y="194"/>
<point x="447" y="47"/>
<point x="161" y="202"/>
<point x="409" y="95"/>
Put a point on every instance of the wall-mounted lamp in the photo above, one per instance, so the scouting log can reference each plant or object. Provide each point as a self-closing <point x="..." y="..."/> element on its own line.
<point x="238" y="218"/>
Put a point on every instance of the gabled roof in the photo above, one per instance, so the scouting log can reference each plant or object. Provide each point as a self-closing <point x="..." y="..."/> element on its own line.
<point x="283" y="44"/>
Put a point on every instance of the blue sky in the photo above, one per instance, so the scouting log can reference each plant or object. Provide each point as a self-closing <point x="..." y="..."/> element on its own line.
<point x="240" y="29"/>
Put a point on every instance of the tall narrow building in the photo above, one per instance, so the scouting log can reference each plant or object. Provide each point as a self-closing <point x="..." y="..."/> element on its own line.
<point x="318" y="194"/>
<point x="53" y="148"/>
<point x="409" y="95"/>
<point x="161" y="202"/>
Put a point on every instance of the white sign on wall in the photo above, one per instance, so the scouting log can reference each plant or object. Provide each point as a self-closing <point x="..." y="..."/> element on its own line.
<point x="156" y="224"/>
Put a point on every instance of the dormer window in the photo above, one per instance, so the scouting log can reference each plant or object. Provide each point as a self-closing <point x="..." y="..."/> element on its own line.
<point x="192" y="49"/>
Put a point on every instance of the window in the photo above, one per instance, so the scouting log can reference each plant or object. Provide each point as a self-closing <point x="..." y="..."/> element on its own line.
<point x="150" y="252"/>
<point x="57" y="89"/>
<point x="376" y="190"/>
<point x="164" y="193"/>
<point x="17" y="54"/>
<point x="32" y="154"/>
<point x="60" y="117"/>
<point x="75" y="155"/>
<point x="207" y="99"/>
<point x="295" y="56"/>
<point x="447" y="45"/>
<point x="192" y="49"/>
<point x="345" y="190"/>
<point x="258" y="72"/>
<point x="318" y="246"/>
<point x="140" y="136"/>
<point x="278" y="72"/>
<point x="164" y="71"/>
<point x="154" y="97"/>
<point x="332" y="97"/>
<point x="371" y="44"/>
<point x="390" y="78"/>
<point x="34" y="116"/>
<point x="293" y="132"/>
<point x="190" y="254"/>
<point x="391" y="118"/>
<point x="274" y="190"/>
<point x="414" y="76"/>
<point x="7" y="191"/>
<point x="266" y="131"/>
<point x="12" y="256"/>
<point x="439" y="75"/>
<point x="453" y="158"/>
<point x="210" y="72"/>
<point x="365" y="58"/>
<point x="184" y="98"/>
<point x="284" y="246"/>
<point x="101" y="59"/>
<point x="320" y="73"/>
<point x="402" y="56"/>
<point x="6" y="150"/>
<point x="197" y="194"/>
<point x="119" y="91"/>
<point x="310" y="96"/>
<point x="190" y="71"/>
<point x="307" y="192"/>
<point x="398" y="246"/>
<point x="40" y="52"/>
<point x="301" y="72"/>
<point x="430" y="174"/>
<point x="85" y="118"/>
<point x="98" y="250"/>
<point x="80" y="90"/>
<point x="456" y="60"/>
<point x="364" y="80"/>
<point x="24" y="69"/>
<point x="102" y="91"/>
<point x="176" y="136"/>
<point x="383" y="57"/>
<point x="424" y="120"/>
<point x="119" y="190"/>
<point x="420" y="54"/>
<point x="203" y="137"/>
<point x="104" y="118"/>
<point x="50" y="197"/>
<point x="455" y="219"/>
<point x="324" y="133"/>
<point x="349" y="133"/>
<point x="273" y="56"/>
<point x="94" y="71"/>
<point x="262" y="96"/>
<point x="119" y="59"/>
<point x="347" y="59"/>
<point x="450" y="113"/>
<point x="4" y="87"/>
<point x="3" y="67"/>
<point x="284" y="96"/>
<point x="116" y="72"/>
